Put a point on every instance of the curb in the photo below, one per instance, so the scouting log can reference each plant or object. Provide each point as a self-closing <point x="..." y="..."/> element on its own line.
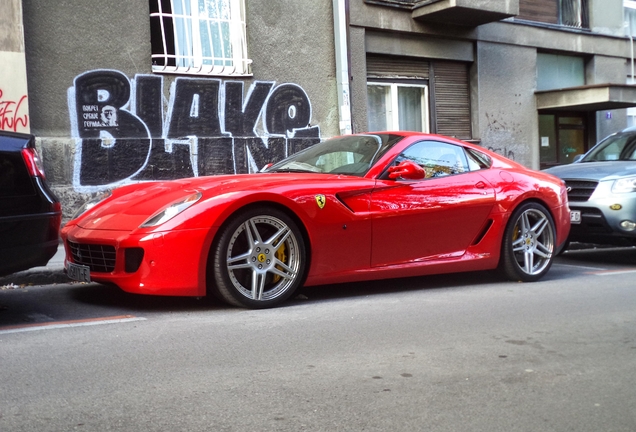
<point x="34" y="277"/>
<point x="52" y="273"/>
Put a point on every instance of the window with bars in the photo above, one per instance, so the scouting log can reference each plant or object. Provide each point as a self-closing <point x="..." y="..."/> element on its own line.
<point x="201" y="37"/>
<point x="574" y="13"/>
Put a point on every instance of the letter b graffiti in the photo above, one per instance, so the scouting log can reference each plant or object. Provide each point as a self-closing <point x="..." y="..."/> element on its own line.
<point x="115" y="143"/>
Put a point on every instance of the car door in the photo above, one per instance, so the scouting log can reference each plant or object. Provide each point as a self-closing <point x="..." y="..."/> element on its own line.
<point x="436" y="217"/>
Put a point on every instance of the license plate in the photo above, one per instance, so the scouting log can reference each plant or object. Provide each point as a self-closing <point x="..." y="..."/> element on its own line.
<point x="79" y="272"/>
<point x="575" y="216"/>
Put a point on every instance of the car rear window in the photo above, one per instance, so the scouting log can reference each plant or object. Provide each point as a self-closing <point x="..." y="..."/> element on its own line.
<point x="14" y="177"/>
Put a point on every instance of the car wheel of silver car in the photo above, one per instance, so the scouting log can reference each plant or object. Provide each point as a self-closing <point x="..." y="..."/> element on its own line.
<point x="528" y="245"/>
<point x="259" y="259"/>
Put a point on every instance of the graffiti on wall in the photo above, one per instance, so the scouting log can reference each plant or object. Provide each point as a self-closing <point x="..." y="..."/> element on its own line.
<point x="127" y="130"/>
<point x="503" y="131"/>
<point x="13" y="113"/>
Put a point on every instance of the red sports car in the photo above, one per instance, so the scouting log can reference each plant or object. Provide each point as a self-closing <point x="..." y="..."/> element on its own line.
<point x="352" y="208"/>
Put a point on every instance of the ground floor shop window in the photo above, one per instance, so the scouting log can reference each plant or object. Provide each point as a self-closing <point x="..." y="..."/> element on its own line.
<point x="562" y="137"/>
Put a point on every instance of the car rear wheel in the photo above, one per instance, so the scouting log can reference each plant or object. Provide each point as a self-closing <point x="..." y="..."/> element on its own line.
<point x="528" y="244"/>
<point x="259" y="259"/>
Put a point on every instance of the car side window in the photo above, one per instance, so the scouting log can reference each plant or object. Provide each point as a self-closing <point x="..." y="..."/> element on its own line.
<point x="437" y="158"/>
<point x="478" y="160"/>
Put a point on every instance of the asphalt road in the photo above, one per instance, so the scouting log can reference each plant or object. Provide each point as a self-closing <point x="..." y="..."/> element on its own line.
<point x="446" y="353"/>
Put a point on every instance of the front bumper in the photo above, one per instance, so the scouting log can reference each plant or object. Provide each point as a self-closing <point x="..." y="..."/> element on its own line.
<point x="171" y="263"/>
<point x="602" y="215"/>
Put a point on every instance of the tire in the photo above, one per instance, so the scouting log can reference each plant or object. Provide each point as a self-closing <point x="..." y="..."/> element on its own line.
<point x="528" y="244"/>
<point x="259" y="259"/>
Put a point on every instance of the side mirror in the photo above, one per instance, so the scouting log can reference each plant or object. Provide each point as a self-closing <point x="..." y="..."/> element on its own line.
<point x="578" y="157"/>
<point x="407" y="170"/>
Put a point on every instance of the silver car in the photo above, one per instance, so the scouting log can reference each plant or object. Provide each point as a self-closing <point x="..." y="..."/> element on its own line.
<point x="602" y="191"/>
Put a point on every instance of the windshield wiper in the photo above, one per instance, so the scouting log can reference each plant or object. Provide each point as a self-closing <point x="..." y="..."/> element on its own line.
<point x="293" y="170"/>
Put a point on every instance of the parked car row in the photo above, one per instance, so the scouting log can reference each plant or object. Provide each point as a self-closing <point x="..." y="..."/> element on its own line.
<point x="356" y="207"/>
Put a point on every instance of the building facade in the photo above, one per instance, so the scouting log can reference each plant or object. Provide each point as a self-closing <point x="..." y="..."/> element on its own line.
<point x="538" y="81"/>
<point x="125" y="91"/>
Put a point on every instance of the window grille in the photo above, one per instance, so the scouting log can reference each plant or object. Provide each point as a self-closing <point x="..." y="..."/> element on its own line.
<point x="566" y="13"/>
<point x="574" y="13"/>
<point x="201" y="37"/>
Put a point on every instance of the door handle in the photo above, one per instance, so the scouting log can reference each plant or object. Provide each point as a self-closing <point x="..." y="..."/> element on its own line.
<point x="480" y="185"/>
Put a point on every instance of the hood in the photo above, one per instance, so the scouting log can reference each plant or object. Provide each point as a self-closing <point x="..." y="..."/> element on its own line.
<point x="594" y="170"/>
<point x="131" y="205"/>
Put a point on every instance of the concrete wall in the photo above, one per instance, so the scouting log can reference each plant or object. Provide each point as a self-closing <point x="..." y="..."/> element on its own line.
<point x="599" y="70"/>
<point x="507" y="121"/>
<point x="77" y="51"/>
<point x="606" y="16"/>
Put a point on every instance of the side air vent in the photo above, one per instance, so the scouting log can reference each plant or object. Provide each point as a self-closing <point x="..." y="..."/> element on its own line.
<point x="483" y="232"/>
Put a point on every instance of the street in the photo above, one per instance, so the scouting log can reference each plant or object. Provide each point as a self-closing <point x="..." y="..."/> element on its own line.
<point x="463" y="352"/>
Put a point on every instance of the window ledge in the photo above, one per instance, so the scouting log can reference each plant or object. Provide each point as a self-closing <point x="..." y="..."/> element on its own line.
<point x="202" y="71"/>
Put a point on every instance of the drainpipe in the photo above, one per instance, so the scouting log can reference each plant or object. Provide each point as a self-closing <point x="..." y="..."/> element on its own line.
<point x="631" y="41"/>
<point x="340" y="18"/>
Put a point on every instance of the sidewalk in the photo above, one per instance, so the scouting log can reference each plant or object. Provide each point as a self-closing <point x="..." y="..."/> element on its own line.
<point x="52" y="273"/>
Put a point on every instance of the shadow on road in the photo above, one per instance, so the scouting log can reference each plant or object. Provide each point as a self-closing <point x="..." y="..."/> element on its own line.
<point x="432" y="282"/>
<point x="112" y="296"/>
<point x="614" y="256"/>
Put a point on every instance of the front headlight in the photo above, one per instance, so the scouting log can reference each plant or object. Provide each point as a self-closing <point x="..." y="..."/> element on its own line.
<point x="624" y="185"/>
<point x="91" y="203"/>
<point x="171" y="211"/>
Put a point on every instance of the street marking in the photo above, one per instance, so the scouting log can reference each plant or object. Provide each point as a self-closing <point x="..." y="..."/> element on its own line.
<point x="578" y="266"/>
<point x="613" y="272"/>
<point x="72" y="323"/>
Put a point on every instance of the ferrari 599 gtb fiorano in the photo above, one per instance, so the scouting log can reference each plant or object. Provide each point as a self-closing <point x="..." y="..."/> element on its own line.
<point x="352" y="208"/>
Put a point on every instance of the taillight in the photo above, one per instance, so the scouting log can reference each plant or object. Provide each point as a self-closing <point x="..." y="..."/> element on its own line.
<point x="33" y="162"/>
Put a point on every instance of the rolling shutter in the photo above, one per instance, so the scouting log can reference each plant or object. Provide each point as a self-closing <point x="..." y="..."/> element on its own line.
<point x="452" y="99"/>
<point x="397" y="67"/>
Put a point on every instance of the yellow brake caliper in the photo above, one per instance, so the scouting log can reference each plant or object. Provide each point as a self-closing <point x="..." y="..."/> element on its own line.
<point x="280" y="254"/>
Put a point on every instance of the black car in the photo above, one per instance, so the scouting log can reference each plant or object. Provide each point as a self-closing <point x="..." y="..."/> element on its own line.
<point x="30" y="214"/>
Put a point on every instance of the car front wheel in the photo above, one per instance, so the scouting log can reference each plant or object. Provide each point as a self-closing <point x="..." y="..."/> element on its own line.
<point x="528" y="244"/>
<point x="259" y="259"/>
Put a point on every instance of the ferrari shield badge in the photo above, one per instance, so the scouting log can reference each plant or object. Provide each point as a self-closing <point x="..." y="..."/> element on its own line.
<point x="320" y="200"/>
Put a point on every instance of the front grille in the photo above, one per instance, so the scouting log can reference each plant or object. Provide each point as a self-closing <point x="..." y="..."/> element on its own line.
<point x="100" y="258"/>
<point x="580" y="190"/>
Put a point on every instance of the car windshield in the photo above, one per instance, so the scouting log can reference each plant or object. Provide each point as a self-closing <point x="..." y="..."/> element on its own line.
<point x="351" y="155"/>
<point x="619" y="147"/>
